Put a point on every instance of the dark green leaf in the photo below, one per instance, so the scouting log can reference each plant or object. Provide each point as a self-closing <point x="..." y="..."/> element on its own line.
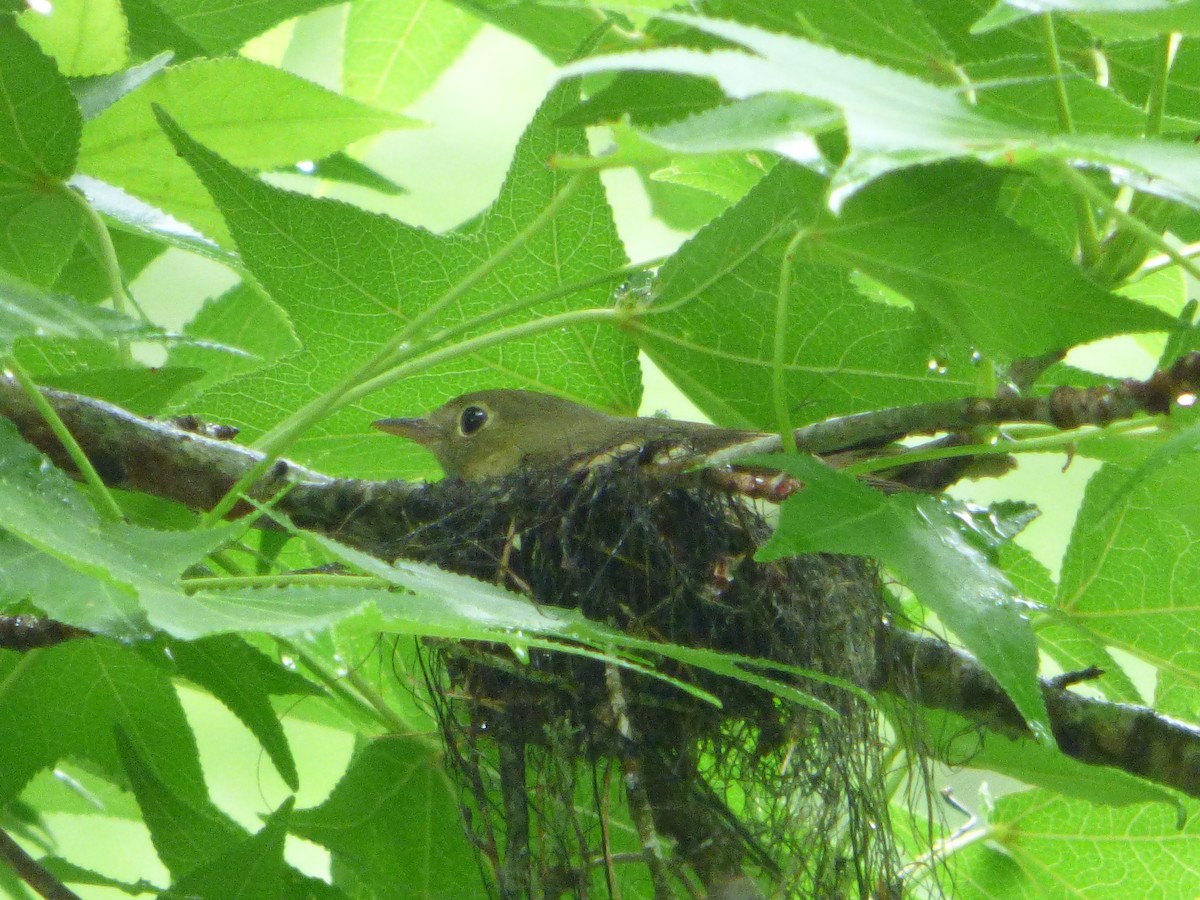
<point x="844" y="353"/>
<point x="187" y="831"/>
<point x="39" y="141"/>
<point x="227" y="667"/>
<point x="250" y="869"/>
<point x="914" y="538"/>
<point x="65" y="701"/>
<point x="1034" y="764"/>
<point x="934" y="235"/>
<point x="396" y="811"/>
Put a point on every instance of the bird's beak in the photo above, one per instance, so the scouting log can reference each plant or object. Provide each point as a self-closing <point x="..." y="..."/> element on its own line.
<point x="416" y="429"/>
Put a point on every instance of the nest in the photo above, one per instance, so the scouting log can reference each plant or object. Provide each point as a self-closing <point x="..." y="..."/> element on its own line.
<point x="584" y="780"/>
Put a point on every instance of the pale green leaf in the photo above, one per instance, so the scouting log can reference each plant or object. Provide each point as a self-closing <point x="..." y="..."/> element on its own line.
<point x="259" y="116"/>
<point x="396" y="49"/>
<point x="1042" y="846"/>
<point x="894" y="120"/>
<point x="27" y="311"/>
<point x="86" y="37"/>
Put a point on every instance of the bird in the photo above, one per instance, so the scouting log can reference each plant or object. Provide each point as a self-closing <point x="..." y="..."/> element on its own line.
<point x="493" y="433"/>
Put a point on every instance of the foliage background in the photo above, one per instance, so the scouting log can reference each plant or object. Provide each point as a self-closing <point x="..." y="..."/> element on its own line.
<point x="476" y="73"/>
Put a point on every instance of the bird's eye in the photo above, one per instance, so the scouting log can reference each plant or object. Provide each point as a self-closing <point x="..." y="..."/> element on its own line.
<point x="472" y="419"/>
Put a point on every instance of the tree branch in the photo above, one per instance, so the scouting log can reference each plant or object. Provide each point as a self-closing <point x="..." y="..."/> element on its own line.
<point x="139" y="454"/>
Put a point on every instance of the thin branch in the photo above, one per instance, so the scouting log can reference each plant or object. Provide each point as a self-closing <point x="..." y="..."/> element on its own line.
<point x="30" y="871"/>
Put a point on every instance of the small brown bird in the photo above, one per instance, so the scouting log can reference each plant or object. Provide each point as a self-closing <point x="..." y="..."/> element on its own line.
<point x="486" y="434"/>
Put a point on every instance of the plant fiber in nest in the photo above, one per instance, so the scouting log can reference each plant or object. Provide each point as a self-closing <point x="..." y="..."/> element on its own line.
<point x="762" y="786"/>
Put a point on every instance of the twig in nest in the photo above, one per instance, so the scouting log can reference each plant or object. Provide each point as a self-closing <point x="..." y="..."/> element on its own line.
<point x="635" y="789"/>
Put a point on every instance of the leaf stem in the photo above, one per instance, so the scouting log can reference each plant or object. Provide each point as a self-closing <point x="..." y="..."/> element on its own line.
<point x="309" y="579"/>
<point x="1156" y="101"/>
<point x="1133" y="223"/>
<point x="523" y="303"/>
<point x="396" y="723"/>
<point x="484" y="342"/>
<point x="122" y="302"/>
<point x="334" y="683"/>
<point x="1089" y="238"/>
<point x="108" y="506"/>
<point x="778" y="386"/>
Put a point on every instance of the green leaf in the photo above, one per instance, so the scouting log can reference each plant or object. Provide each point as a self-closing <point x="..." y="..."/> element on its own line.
<point x="144" y="392"/>
<point x="1072" y="647"/>
<point x="58" y="553"/>
<point x="227" y="667"/>
<point x="66" y="701"/>
<point x="765" y="122"/>
<point x="557" y="31"/>
<point x="935" y="235"/>
<point x="396" y="811"/>
<point x="1136" y="67"/>
<point x="86" y="37"/>
<point x="894" y="120"/>
<point x="69" y="873"/>
<point x="729" y="176"/>
<point x="1114" y="21"/>
<point x="326" y="263"/>
<point x="714" y="335"/>
<point x="187" y="830"/>
<point x="1013" y="90"/>
<point x="343" y="168"/>
<point x="141" y="220"/>
<point x="213" y="27"/>
<point x="30" y="312"/>
<point x="895" y="33"/>
<point x="250" y="869"/>
<point x="241" y="317"/>
<point x="919" y="542"/>
<point x="1130" y="574"/>
<point x="39" y="140"/>
<point x="396" y="49"/>
<point x="84" y="277"/>
<point x="1041" y="845"/>
<point x="259" y="116"/>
